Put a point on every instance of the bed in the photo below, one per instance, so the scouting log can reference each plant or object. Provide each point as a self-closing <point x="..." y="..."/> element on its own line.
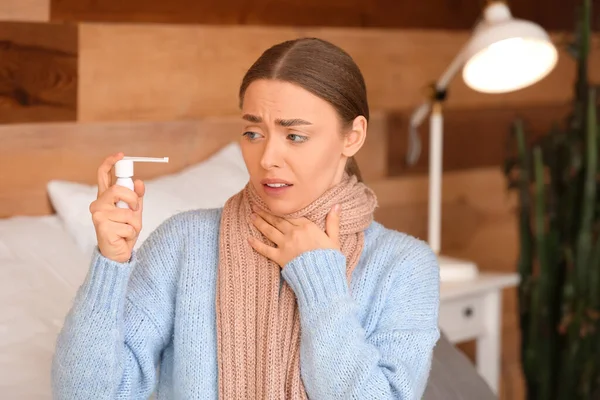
<point x="46" y="234"/>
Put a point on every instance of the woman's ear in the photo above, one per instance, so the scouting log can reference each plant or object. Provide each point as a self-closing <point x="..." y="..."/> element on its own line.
<point x="355" y="138"/>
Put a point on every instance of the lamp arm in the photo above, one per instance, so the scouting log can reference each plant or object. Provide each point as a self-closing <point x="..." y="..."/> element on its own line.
<point x="450" y="72"/>
<point x="439" y="94"/>
<point x="421" y="112"/>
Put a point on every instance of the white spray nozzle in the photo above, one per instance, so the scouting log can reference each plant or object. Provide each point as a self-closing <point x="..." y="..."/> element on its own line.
<point x="147" y="159"/>
<point x="124" y="167"/>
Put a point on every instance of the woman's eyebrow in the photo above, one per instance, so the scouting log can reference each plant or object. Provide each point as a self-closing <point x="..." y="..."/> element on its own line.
<point x="292" y="122"/>
<point x="283" y="122"/>
<point x="252" y="118"/>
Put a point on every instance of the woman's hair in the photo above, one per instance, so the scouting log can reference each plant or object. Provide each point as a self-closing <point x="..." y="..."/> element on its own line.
<point x="323" y="69"/>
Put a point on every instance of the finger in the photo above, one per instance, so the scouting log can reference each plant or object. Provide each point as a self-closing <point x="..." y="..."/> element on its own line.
<point x="138" y="212"/>
<point x="139" y="188"/>
<point x="121" y="231"/>
<point x="281" y="224"/>
<point x="125" y="216"/>
<point x="104" y="177"/>
<point x="332" y="224"/>
<point x="299" y="221"/>
<point x="264" y="249"/>
<point x="271" y="232"/>
<point x="116" y="193"/>
<point x="126" y="231"/>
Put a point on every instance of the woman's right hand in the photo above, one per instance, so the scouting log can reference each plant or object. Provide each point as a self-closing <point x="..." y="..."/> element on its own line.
<point x="117" y="229"/>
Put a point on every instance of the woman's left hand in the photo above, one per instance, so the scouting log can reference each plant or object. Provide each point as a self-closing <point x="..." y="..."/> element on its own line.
<point x="294" y="236"/>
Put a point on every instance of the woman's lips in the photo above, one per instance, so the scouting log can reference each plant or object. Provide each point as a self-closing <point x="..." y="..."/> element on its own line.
<point x="276" y="189"/>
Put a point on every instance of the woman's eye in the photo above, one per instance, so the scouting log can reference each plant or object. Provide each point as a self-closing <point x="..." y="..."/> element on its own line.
<point x="251" y="135"/>
<point x="297" y="138"/>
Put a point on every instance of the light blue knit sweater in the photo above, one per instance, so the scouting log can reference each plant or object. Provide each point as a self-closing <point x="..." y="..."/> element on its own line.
<point x="373" y="340"/>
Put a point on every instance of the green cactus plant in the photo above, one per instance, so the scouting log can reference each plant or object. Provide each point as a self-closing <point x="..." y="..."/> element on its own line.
<point x="557" y="179"/>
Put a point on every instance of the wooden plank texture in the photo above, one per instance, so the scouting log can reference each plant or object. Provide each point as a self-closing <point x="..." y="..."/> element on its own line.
<point x="25" y="10"/>
<point x="38" y="72"/>
<point x="473" y="138"/>
<point x="477" y="213"/>
<point x="72" y="151"/>
<point x="149" y="72"/>
<point x="433" y="14"/>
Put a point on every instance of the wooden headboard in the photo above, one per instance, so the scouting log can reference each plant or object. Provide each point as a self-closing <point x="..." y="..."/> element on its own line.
<point x="33" y="154"/>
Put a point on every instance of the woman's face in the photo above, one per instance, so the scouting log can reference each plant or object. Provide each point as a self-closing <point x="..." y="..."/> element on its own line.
<point x="293" y="144"/>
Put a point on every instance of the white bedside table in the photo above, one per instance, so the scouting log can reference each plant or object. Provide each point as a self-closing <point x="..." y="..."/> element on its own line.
<point x="472" y="309"/>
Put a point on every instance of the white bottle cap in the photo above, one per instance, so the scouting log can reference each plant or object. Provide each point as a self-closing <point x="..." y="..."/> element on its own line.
<point x="124" y="169"/>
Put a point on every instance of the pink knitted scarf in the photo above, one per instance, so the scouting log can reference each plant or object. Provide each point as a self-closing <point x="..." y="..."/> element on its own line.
<point x="258" y="325"/>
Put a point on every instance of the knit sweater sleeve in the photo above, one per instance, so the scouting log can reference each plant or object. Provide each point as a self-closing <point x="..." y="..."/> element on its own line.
<point x="339" y="360"/>
<point x="119" y="322"/>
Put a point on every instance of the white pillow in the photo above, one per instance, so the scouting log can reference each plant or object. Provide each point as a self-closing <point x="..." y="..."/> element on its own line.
<point x="207" y="184"/>
<point x="41" y="268"/>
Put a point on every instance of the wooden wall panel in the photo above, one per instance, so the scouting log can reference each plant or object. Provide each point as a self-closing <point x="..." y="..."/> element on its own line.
<point x="25" y="10"/>
<point x="145" y="72"/>
<point x="74" y="151"/>
<point x="165" y="72"/>
<point x="433" y="14"/>
<point x="157" y="72"/>
<point x="472" y="138"/>
<point x="372" y="158"/>
<point x="38" y="72"/>
<point x="477" y="214"/>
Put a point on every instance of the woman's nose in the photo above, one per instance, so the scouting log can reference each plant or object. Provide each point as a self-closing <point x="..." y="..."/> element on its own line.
<point x="272" y="156"/>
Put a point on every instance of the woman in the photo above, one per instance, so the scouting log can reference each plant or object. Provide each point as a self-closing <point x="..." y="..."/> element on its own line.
<point x="290" y="291"/>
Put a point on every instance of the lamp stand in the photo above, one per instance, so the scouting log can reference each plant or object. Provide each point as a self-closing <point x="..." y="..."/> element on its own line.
<point x="435" y="177"/>
<point x="451" y="269"/>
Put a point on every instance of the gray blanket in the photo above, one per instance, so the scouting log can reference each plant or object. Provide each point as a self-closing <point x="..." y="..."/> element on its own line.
<point x="453" y="376"/>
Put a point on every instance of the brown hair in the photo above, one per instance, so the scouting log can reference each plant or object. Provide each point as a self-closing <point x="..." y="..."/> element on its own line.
<point x="323" y="69"/>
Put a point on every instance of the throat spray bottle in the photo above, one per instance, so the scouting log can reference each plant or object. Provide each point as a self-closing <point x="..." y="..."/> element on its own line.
<point x="124" y="172"/>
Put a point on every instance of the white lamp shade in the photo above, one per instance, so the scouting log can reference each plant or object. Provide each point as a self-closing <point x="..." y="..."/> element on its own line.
<point x="507" y="54"/>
